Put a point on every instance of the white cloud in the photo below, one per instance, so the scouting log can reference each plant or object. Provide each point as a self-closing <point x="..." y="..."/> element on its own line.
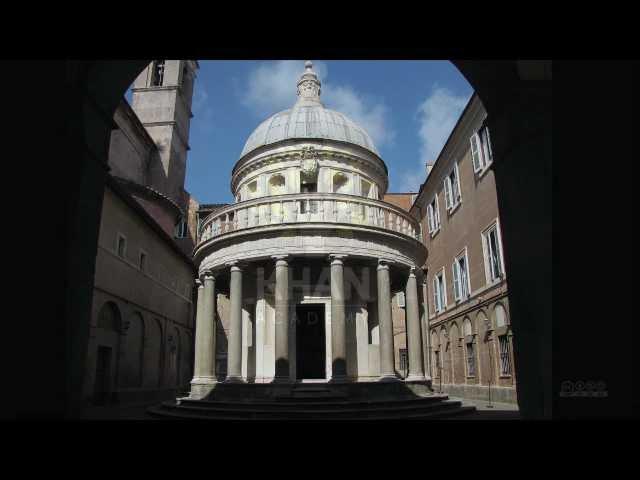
<point x="370" y="115"/>
<point x="437" y="115"/>
<point x="271" y="87"/>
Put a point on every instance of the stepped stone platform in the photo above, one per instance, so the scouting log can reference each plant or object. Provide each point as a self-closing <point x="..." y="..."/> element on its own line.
<point x="312" y="402"/>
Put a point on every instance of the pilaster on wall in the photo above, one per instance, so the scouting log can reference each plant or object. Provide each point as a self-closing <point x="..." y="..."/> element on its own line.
<point x="521" y="133"/>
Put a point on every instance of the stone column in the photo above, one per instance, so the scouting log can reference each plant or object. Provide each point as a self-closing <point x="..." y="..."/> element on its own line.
<point x="425" y="328"/>
<point x="414" y="334"/>
<point x="338" y="327"/>
<point x="387" y="370"/>
<point x="204" y="362"/>
<point x="282" y="319"/>
<point x="234" y="356"/>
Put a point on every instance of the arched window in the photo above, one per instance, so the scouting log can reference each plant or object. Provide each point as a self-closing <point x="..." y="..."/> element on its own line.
<point x="341" y="183"/>
<point x="109" y="317"/>
<point x="504" y="340"/>
<point x="365" y="188"/>
<point x="470" y="347"/>
<point x="468" y="329"/>
<point x="252" y="189"/>
<point x="277" y="184"/>
<point x="501" y="316"/>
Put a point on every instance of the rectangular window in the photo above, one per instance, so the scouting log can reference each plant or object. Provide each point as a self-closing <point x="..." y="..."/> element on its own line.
<point x="452" y="188"/>
<point x="181" y="229"/>
<point x="485" y="140"/>
<point x="439" y="293"/>
<point x="143" y="261"/>
<point x="481" y="153"/>
<point x="461" y="277"/>
<point x="433" y="216"/>
<point x="505" y="355"/>
<point x="122" y="246"/>
<point x="493" y="253"/>
<point x="476" y="153"/>
<point x="471" y="359"/>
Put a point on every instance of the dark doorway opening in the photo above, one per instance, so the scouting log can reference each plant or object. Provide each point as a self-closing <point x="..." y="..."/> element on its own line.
<point x="310" y="342"/>
<point x="103" y="376"/>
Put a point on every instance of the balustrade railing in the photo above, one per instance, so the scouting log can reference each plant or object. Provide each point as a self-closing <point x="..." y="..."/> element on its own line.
<point x="309" y="207"/>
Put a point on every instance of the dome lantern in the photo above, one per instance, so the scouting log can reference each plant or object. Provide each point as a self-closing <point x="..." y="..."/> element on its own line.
<point x="308" y="86"/>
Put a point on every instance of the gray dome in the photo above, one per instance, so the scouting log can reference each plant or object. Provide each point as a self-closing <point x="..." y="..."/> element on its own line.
<point x="308" y="121"/>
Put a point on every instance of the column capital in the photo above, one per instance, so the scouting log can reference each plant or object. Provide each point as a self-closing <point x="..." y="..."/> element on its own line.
<point x="337" y="259"/>
<point x="199" y="283"/>
<point x="285" y="258"/>
<point x="412" y="271"/>
<point x="383" y="264"/>
<point x="208" y="275"/>
<point x="235" y="266"/>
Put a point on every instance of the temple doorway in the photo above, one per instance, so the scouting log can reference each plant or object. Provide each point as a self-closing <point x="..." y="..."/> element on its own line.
<point x="310" y="342"/>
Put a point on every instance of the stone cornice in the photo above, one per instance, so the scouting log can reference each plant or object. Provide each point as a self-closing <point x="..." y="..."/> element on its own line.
<point x="268" y="154"/>
<point x="413" y="250"/>
<point x="495" y="293"/>
<point x="126" y="197"/>
<point x="171" y="123"/>
<point x="150" y="192"/>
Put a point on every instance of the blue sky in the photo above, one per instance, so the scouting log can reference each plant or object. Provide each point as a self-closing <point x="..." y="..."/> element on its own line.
<point x="407" y="107"/>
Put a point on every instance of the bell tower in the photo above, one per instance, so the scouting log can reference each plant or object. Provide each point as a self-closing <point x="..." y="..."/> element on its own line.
<point x="161" y="99"/>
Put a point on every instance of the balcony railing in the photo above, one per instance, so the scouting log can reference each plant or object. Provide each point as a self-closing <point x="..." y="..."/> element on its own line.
<point x="307" y="208"/>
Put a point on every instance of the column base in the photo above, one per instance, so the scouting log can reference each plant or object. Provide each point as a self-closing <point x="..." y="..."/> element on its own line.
<point x="234" y="379"/>
<point x="282" y="380"/>
<point x="389" y="378"/>
<point x="415" y="377"/>
<point x="201" y="387"/>
<point x="340" y="379"/>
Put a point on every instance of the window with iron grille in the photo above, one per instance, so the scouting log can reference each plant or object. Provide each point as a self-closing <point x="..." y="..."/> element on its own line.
<point x="471" y="359"/>
<point x="403" y="359"/>
<point x="505" y="355"/>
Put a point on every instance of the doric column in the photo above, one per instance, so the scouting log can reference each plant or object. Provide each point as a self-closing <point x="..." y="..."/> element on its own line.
<point x="234" y="355"/>
<point x="282" y="319"/>
<point x="414" y="334"/>
<point x="204" y="362"/>
<point x="387" y="370"/>
<point x="338" y="327"/>
<point x="425" y="327"/>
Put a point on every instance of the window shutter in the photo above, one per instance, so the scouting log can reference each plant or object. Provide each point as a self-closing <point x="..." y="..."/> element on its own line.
<point x="437" y="215"/>
<point x="430" y="218"/>
<point x="436" y="305"/>
<point x="464" y="290"/>
<point x="487" y="141"/>
<point x="458" y="195"/>
<point x="447" y="192"/>
<point x="456" y="281"/>
<point x="475" y="153"/>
